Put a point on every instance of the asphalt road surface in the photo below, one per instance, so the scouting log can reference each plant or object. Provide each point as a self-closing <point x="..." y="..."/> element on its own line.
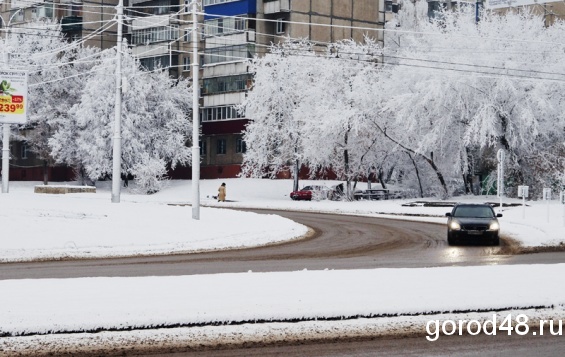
<point x="339" y="242"/>
<point x="461" y="346"/>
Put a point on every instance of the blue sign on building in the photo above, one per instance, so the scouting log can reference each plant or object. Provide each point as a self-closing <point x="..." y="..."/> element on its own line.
<point x="230" y="8"/>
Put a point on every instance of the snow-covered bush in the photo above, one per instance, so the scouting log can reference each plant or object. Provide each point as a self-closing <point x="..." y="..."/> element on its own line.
<point x="150" y="174"/>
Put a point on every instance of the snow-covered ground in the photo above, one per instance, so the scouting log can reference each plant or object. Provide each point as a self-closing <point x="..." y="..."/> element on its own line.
<point x="42" y="226"/>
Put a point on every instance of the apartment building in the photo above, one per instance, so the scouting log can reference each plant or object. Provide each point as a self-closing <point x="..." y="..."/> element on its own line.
<point x="550" y="10"/>
<point x="233" y="31"/>
<point x="79" y="19"/>
<point x="159" y="34"/>
<point x="237" y="30"/>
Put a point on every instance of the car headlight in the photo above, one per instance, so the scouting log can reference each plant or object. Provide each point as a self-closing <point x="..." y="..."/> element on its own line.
<point x="455" y="226"/>
<point x="493" y="226"/>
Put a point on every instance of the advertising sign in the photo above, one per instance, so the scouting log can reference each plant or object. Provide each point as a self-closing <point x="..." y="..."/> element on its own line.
<point x="500" y="4"/>
<point x="13" y="97"/>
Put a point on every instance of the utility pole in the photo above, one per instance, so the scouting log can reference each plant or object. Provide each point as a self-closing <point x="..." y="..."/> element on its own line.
<point x="6" y="126"/>
<point x="117" y="149"/>
<point x="6" y="144"/>
<point x="195" y="117"/>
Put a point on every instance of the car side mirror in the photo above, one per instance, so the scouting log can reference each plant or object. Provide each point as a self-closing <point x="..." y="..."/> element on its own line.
<point x="499" y="214"/>
<point x="448" y="214"/>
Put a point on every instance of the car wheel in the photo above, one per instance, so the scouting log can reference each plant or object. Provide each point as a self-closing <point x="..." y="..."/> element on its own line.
<point x="496" y="241"/>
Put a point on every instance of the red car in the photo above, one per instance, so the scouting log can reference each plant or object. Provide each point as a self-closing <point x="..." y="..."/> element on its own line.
<point x="310" y="192"/>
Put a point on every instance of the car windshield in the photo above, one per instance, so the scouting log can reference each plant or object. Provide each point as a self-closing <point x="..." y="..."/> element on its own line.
<point x="473" y="211"/>
<point x="307" y="188"/>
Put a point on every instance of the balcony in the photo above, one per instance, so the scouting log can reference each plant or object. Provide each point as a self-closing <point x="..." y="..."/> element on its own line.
<point x="276" y="6"/>
<point x="150" y="21"/>
<point x="233" y="39"/>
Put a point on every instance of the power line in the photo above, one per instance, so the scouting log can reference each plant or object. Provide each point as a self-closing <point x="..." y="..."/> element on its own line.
<point x="385" y="30"/>
<point x="73" y="44"/>
<point x="408" y="58"/>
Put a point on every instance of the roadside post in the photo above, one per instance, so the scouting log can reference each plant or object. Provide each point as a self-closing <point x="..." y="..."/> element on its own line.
<point x="562" y="200"/>
<point x="13" y="104"/>
<point x="500" y="155"/>
<point x="523" y="192"/>
<point x="547" y="198"/>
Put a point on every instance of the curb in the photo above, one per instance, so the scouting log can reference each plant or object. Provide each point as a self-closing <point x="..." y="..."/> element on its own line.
<point x="185" y="339"/>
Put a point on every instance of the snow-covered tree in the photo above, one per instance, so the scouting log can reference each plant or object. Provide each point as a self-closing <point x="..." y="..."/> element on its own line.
<point x="448" y="93"/>
<point x="274" y="135"/>
<point x="155" y="123"/>
<point x="54" y="67"/>
<point x="456" y="87"/>
<point x="337" y="134"/>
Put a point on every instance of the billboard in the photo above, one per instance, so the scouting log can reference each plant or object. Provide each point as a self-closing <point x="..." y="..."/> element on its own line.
<point x="13" y="97"/>
<point x="501" y="4"/>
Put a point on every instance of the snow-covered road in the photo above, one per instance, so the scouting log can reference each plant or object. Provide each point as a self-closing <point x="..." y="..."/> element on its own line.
<point x="89" y="225"/>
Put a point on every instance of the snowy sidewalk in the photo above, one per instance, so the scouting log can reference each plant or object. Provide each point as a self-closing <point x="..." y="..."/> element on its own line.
<point x="47" y="306"/>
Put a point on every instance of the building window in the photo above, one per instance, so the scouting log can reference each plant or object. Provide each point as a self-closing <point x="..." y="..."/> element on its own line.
<point x="388" y="6"/>
<point x="240" y="146"/>
<point x="42" y="11"/>
<point x="224" y="25"/>
<point x="153" y="63"/>
<point x="186" y="64"/>
<point x="17" y="15"/>
<point x="24" y="151"/>
<point x="218" y="85"/>
<point x="280" y="26"/>
<point x="214" y="2"/>
<point x="155" y="34"/>
<point x="221" y="147"/>
<point x="74" y="9"/>
<point x="219" y="113"/>
<point x="229" y="53"/>
<point x="202" y="144"/>
<point x="435" y="9"/>
<point x="158" y="7"/>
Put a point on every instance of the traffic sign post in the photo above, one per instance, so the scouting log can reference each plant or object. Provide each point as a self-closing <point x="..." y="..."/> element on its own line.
<point x="523" y="192"/>
<point x="500" y="155"/>
<point x="547" y="198"/>
<point x="562" y="200"/>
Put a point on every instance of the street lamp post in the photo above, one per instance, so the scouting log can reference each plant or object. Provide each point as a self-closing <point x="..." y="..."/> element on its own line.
<point x="477" y="3"/>
<point x="117" y="148"/>
<point x="195" y="117"/>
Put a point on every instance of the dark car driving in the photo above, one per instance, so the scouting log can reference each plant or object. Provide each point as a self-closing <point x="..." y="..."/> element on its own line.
<point x="472" y="223"/>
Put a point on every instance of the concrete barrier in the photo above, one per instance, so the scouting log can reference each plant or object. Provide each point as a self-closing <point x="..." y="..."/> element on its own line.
<point x="62" y="189"/>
